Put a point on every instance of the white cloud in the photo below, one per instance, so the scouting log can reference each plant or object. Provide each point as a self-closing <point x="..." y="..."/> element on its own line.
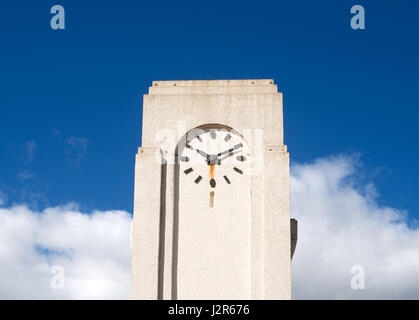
<point x="25" y="174"/>
<point x="92" y="248"/>
<point x="29" y="148"/>
<point x="2" y="198"/>
<point x="76" y="149"/>
<point x="341" y="225"/>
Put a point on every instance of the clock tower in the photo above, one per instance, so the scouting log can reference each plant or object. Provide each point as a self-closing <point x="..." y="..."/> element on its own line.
<point x="211" y="200"/>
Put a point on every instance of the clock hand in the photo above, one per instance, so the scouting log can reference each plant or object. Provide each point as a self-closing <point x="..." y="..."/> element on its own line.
<point x="211" y="158"/>
<point x="229" y="155"/>
<point x="237" y="146"/>
<point x="202" y="153"/>
<point x="212" y="180"/>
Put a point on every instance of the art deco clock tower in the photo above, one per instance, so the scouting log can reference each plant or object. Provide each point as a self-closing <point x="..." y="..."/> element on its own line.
<point x="211" y="201"/>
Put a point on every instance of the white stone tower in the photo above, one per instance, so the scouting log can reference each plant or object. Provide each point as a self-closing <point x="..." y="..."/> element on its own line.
<point x="211" y="201"/>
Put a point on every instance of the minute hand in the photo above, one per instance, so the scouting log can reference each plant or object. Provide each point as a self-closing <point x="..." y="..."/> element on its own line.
<point x="229" y="155"/>
<point x="237" y="146"/>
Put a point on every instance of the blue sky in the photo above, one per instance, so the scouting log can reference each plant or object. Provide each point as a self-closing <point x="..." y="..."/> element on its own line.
<point x="71" y="99"/>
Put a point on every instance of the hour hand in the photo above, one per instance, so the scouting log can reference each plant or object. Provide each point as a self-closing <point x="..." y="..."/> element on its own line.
<point x="210" y="158"/>
<point x="202" y="153"/>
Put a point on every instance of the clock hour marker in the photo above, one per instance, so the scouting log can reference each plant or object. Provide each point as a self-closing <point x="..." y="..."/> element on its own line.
<point x="237" y="170"/>
<point x="227" y="180"/>
<point x="212" y="183"/>
<point x="241" y="158"/>
<point x="213" y="134"/>
<point x="189" y="146"/>
<point x="238" y="146"/>
<point x="187" y="171"/>
<point x="199" y="138"/>
<point x="198" y="179"/>
<point x="184" y="159"/>
<point x="228" y="137"/>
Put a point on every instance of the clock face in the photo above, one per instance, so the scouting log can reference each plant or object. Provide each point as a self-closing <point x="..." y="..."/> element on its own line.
<point x="213" y="157"/>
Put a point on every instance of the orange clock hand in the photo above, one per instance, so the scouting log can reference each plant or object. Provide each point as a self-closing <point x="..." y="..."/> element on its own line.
<point x="212" y="181"/>
<point x="212" y="169"/>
